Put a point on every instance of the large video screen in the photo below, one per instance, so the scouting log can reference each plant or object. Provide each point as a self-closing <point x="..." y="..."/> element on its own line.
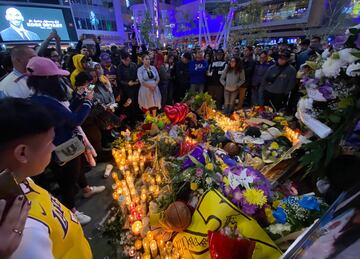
<point x="25" y="23"/>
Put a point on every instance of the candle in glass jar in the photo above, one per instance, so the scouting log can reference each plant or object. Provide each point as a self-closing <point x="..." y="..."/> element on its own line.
<point x="138" y="244"/>
<point x="137" y="227"/>
<point x="146" y="245"/>
<point x="153" y="248"/>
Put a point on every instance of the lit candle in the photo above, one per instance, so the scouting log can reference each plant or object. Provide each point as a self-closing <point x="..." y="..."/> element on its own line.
<point x="146" y="245"/>
<point x="138" y="244"/>
<point x="150" y="235"/>
<point x="114" y="175"/>
<point x="132" y="251"/>
<point x="158" y="179"/>
<point x="143" y="197"/>
<point x="161" y="243"/>
<point x="153" y="248"/>
<point x="115" y="196"/>
<point x="137" y="227"/>
<point x="168" y="246"/>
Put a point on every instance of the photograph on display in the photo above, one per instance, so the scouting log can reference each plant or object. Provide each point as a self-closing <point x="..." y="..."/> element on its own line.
<point x="335" y="235"/>
<point x="22" y="23"/>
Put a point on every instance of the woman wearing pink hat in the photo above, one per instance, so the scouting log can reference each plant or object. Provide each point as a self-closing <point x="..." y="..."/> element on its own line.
<point x="44" y="81"/>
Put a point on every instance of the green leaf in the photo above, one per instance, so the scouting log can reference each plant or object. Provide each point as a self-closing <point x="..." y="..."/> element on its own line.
<point x="356" y="54"/>
<point x="345" y="103"/>
<point x="334" y="118"/>
<point x="353" y="30"/>
<point x="358" y="104"/>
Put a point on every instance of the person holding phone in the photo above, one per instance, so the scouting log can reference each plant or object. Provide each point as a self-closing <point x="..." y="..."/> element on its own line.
<point x="26" y="144"/>
<point x="44" y="80"/>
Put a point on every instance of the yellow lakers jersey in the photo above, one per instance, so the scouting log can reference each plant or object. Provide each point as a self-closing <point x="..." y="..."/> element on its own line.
<point x="65" y="232"/>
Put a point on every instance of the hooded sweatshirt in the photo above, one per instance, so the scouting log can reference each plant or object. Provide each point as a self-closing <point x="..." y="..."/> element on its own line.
<point x="78" y="68"/>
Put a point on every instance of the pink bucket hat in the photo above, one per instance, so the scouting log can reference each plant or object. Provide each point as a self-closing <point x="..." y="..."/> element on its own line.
<point x="40" y="66"/>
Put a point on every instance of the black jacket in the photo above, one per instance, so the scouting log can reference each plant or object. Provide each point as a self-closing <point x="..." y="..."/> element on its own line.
<point x="126" y="74"/>
<point x="249" y="67"/>
<point x="215" y="71"/>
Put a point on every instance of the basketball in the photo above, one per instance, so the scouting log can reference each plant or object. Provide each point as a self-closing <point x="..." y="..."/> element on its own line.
<point x="232" y="149"/>
<point x="177" y="216"/>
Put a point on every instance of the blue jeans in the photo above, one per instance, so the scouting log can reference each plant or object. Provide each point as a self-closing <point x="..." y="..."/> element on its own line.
<point x="257" y="95"/>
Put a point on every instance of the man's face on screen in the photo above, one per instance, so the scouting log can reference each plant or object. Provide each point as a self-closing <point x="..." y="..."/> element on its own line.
<point x="14" y="17"/>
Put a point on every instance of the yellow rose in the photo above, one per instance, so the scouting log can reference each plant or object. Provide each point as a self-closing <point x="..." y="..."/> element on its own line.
<point x="226" y="181"/>
<point x="269" y="215"/>
<point x="209" y="166"/>
<point x="194" y="186"/>
<point x="284" y="123"/>
<point x="274" y="145"/>
<point x="276" y="203"/>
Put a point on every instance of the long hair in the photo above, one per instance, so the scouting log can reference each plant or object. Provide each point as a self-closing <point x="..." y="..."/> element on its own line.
<point x="238" y="67"/>
<point x="47" y="85"/>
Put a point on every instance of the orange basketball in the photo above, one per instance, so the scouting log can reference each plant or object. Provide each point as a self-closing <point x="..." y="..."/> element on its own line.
<point x="232" y="149"/>
<point x="177" y="216"/>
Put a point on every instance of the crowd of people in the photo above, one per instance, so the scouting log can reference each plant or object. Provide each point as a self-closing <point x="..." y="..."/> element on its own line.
<point x="62" y="110"/>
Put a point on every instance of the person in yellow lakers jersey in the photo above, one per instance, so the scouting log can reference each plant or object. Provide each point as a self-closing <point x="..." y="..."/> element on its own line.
<point x="51" y="230"/>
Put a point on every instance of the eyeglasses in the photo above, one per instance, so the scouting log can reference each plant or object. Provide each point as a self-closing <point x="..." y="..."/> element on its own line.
<point x="55" y="56"/>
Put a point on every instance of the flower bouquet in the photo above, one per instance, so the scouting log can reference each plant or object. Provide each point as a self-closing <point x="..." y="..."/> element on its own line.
<point x="292" y="214"/>
<point x="246" y="188"/>
<point x="331" y="107"/>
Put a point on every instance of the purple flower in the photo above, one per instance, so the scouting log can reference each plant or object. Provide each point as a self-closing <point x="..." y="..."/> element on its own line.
<point x="340" y="41"/>
<point x="248" y="209"/>
<point x="199" y="172"/>
<point x="326" y="91"/>
<point x="227" y="190"/>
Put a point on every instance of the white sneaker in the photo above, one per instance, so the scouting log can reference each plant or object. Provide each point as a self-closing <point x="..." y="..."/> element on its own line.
<point x="94" y="190"/>
<point x="108" y="169"/>
<point x="82" y="218"/>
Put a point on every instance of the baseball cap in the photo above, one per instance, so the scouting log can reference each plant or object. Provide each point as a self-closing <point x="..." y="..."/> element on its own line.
<point x="285" y="54"/>
<point x="40" y="66"/>
<point x="105" y="57"/>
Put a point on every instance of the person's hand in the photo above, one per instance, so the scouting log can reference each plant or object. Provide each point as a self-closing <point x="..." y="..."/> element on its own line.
<point x="90" y="95"/>
<point x="57" y="37"/>
<point x="153" y="88"/>
<point x="12" y="225"/>
<point x="82" y="37"/>
<point x="52" y="35"/>
<point x="131" y="83"/>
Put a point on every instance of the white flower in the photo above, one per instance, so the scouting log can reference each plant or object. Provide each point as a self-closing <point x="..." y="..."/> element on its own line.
<point x="326" y="54"/>
<point x="319" y="73"/>
<point x="278" y="229"/>
<point x="353" y="70"/>
<point x="347" y="57"/>
<point x="208" y="180"/>
<point x="332" y="67"/>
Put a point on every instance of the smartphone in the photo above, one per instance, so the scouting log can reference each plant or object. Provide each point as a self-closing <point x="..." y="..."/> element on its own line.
<point x="91" y="87"/>
<point x="9" y="189"/>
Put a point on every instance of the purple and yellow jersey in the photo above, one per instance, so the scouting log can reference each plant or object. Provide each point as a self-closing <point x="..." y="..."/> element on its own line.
<point x="65" y="232"/>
